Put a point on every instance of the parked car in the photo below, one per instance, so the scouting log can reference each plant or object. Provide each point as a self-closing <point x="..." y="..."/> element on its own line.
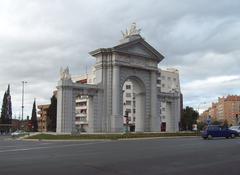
<point x="218" y="131"/>
<point x="17" y="133"/>
<point x="235" y="128"/>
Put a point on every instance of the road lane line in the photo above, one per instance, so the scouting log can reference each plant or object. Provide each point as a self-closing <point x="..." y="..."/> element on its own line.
<point x="46" y="147"/>
<point x="16" y="146"/>
<point x="7" y="146"/>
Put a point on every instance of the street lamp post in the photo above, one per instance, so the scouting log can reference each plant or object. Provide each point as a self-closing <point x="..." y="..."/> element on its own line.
<point x="199" y="105"/>
<point x="23" y="83"/>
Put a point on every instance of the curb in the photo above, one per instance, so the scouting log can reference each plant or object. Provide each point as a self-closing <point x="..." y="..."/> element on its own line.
<point x="120" y="139"/>
<point x="150" y="138"/>
<point x="58" y="140"/>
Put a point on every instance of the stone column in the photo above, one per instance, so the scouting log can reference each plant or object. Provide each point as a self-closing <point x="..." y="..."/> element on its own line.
<point x="155" y="119"/>
<point x="65" y="107"/>
<point x="175" y="108"/>
<point x="116" y="120"/>
<point x="90" y="114"/>
<point x="169" y="116"/>
<point x="140" y="112"/>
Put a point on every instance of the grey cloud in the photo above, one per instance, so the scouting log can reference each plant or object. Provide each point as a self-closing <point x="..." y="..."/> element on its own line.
<point x="201" y="38"/>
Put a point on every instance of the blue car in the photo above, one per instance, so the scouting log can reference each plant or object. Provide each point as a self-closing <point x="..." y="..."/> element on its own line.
<point x="218" y="131"/>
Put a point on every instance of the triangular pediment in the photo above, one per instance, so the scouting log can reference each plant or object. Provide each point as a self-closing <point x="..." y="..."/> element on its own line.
<point x="139" y="47"/>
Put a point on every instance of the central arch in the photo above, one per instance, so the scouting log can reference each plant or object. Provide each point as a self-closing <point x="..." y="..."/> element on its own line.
<point x="136" y="112"/>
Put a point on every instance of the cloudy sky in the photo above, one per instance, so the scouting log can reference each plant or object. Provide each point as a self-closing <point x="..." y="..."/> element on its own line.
<point x="201" y="38"/>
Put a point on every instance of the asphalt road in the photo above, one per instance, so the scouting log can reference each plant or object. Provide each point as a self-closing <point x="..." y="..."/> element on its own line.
<point x="180" y="156"/>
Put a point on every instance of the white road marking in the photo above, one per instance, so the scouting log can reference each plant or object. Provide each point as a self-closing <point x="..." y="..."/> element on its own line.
<point x="15" y="146"/>
<point x="46" y="147"/>
<point x="7" y="146"/>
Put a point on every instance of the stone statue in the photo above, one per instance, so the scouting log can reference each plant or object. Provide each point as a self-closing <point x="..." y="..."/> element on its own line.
<point x="64" y="74"/>
<point x="174" y="87"/>
<point x="132" y="31"/>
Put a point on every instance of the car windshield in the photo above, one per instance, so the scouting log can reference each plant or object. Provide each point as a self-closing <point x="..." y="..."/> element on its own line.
<point x="214" y="127"/>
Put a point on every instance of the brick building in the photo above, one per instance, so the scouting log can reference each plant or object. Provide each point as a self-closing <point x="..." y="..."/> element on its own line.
<point x="227" y="108"/>
<point x="42" y="120"/>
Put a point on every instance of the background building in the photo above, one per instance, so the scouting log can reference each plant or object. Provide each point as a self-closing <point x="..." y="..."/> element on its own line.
<point x="42" y="120"/>
<point x="226" y="109"/>
<point x="82" y="107"/>
<point x="204" y="116"/>
<point x="129" y="105"/>
<point x="167" y="81"/>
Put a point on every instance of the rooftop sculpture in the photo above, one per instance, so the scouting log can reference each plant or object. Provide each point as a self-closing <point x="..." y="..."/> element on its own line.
<point x="132" y="31"/>
<point x="64" y="74"/>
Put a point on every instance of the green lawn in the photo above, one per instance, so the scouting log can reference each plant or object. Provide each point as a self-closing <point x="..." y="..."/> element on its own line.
<point x="109" y="136"/>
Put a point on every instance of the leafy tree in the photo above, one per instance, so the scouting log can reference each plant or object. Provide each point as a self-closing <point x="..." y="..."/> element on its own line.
<point x="189" y="117"/>
<point x="201" y="125"/>
<point x="34" y="118"/>
<point x="52" y="115"/>
<point x="216" y="122"/>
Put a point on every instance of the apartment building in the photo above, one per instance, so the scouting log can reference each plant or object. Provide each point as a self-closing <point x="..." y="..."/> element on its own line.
<point x="42" y="120"/>
<point x="204" y="116"/>
<point x="129" y="105"/>
<point x="167" y="81"/>
<point x="213" y="111"/>
<point x="226" y="109"/>
<point x="82" y="108"/>
<point x="231" y="109"/>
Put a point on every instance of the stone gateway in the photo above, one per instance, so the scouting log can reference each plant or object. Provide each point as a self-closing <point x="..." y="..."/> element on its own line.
<point x="133" y="59"/>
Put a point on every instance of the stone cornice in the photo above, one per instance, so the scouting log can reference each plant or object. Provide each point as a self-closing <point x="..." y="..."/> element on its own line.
<point x="168" y="96"/>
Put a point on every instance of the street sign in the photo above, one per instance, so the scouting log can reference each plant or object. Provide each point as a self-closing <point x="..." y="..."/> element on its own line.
<point x="208" y="120"/>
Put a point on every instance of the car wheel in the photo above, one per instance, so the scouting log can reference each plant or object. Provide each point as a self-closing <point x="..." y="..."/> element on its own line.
<point x="232" y="135"/>
<point x="209" y="136"/>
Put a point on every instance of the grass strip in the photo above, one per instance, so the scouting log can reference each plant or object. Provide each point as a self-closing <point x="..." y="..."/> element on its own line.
<point x="109" y="136"/>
